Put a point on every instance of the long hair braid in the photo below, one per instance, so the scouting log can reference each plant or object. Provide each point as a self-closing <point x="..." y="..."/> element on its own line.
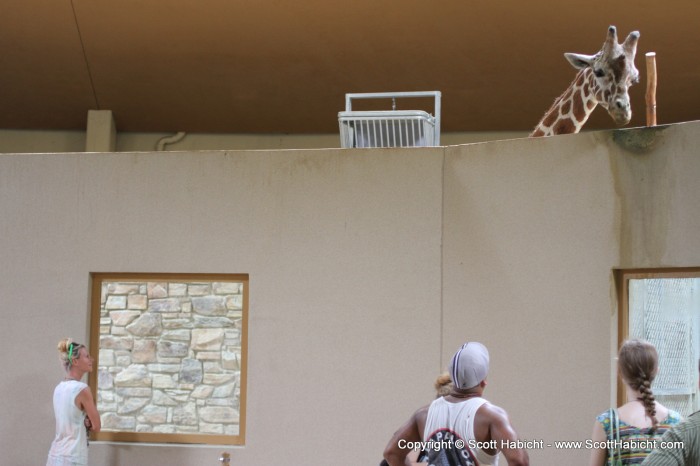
<point x="638" y="363"/>
<point x="648" y="399"/>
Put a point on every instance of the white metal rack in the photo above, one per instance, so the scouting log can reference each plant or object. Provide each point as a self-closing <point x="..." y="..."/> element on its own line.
<point x="390" y="128"/>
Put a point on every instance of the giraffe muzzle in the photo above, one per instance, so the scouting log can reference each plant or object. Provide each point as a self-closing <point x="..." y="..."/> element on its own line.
<point x="622" y="119"/>
<point x="621" y="112"/>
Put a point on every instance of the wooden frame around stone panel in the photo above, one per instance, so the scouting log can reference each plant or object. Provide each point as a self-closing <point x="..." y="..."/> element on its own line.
<point x="178" y="404"/>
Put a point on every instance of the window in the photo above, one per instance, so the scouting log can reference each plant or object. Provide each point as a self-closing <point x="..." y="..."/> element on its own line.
<point x="663" y="307"/>
<point x="170" y="364"/>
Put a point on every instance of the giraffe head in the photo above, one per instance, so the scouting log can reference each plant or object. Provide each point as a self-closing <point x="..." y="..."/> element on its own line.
<point x="614" y="72"/>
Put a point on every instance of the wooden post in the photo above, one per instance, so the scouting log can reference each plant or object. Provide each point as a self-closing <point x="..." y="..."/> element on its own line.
<point x="651" y="89"/>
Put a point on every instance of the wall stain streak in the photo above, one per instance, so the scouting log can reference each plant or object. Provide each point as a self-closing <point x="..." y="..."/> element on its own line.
<point x="643" y="184"/>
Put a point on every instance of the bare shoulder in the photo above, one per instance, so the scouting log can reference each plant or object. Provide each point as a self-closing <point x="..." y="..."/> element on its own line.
<point x="84" y="398"/>
<point x="493" y="412"/>
<point x="662" y="412"/>
<point x="420" y="417"/>
<point x="85" y="393"/>
<point x="422" y="412"/>
<point x="412" y="428"/>
<point x="410" y="431"/>
<point x="491" y="422"/>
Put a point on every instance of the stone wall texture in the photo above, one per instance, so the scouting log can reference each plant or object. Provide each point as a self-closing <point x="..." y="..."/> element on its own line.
<point x="169" y="358"/>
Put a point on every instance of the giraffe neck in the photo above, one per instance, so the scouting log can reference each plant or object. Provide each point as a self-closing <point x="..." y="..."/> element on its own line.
<point x="570" y="111"/>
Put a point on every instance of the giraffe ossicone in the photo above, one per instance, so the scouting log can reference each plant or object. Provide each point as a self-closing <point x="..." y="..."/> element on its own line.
<point x="604" y="79"/>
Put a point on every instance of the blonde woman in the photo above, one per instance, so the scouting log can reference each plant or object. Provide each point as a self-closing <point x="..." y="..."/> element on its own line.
<point x="74" y="408"/>
<point x="640" y="422"/>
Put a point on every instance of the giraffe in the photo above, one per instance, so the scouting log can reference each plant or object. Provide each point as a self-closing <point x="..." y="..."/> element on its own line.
<point x="604" y="78"/>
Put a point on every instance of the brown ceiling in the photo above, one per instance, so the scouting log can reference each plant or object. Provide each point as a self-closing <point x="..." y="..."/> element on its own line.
<point x="269" y="66"/>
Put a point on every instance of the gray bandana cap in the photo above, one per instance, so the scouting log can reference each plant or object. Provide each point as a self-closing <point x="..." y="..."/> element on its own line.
<point x="469" y="365"/>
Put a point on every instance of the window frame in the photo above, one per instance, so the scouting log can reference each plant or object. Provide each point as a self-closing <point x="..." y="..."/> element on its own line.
<point x="96" y="281"/>
<point x="622" y="278"/>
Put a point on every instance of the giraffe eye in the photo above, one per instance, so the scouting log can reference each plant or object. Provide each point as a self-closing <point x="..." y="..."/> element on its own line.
<point x="599" y="73"/>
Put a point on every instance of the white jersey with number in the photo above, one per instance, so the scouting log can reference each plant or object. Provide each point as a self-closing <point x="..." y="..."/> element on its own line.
<point x="449" y="434"/>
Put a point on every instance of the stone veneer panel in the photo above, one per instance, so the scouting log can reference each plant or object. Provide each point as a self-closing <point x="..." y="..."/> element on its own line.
<point x="169" y="358"/>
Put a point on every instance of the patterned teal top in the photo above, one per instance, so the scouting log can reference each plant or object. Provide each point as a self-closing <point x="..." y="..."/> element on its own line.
<point x="635" y="443"/>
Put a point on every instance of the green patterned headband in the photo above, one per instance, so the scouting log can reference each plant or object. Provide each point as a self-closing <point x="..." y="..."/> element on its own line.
<point x="70" y="355"/>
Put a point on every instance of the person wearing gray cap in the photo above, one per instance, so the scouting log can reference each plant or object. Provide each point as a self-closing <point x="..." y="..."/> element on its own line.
<point x="461" y="428"/>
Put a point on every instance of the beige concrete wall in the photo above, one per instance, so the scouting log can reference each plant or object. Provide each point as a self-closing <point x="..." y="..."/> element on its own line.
<point x="655" y="174"/>
<point x="532" y="232"/>
<point x="530" y="241"/>
<point x="367" y="269"/>
<point x="31" y="141"/>
<point x="34" y="141"/>
<point x="343" y="252"/>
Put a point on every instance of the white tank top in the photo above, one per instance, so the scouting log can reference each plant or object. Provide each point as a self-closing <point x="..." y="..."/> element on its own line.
<point x="70" y="444"/>
<point x="447" y="424"/>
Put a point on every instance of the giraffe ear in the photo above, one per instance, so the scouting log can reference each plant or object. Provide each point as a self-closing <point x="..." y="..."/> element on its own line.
<point x="580" y="61"/>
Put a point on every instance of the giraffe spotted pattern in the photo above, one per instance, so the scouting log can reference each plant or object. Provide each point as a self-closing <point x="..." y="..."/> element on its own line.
<point x="603" y="79"/>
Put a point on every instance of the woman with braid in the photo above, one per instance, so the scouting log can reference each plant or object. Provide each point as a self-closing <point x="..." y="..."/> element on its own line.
<point x="639" y="423"/>
<point x="74" y="408"/>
